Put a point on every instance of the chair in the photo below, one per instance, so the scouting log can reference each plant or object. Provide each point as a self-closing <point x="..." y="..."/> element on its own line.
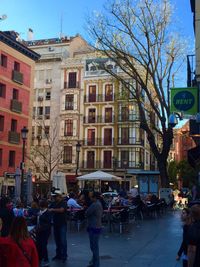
<point x="121" y="218"/>
<point x="78" y="217"/>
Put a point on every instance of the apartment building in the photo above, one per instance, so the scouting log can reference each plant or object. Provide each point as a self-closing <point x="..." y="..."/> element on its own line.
<point x="16" y="87"/>
<point x="112" y="138"/>
<point x="57" y="102"/>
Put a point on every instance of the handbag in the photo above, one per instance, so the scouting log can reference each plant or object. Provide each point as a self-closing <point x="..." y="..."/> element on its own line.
<point x="26" y="255"/>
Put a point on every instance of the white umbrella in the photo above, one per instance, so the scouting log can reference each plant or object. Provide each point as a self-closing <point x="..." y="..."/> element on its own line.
<point x="59" y="182"/>
<point x="99" y="175"/>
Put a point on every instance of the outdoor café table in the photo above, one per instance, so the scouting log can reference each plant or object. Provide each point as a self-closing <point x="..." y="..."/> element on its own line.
<point x="110" y="212"/>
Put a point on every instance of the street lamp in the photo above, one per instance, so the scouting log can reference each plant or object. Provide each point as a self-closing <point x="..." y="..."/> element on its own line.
<point x="78" y="149"/>
<point x="24" y="132"/>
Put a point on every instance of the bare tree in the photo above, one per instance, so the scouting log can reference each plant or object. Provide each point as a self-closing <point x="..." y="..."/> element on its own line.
<point x="137" y="36"/>
<point x="46" y="153"/>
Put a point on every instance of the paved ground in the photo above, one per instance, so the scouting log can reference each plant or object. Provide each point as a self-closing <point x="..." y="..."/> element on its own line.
<point x="147" y="243"/>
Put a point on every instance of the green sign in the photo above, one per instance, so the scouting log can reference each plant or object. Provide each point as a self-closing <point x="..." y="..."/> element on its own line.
<point x="184" y="100"/>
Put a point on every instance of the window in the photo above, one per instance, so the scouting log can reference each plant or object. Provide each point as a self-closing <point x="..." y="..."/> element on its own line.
<point x="4" y="61"/>
<point x="69" y="128"/>
<point x="67" y="156"/>
<point x="16" y="66"/>
<point x="39" y="130"/>
<point x="125" y="113"/>
<point x="46" y="131"/>
<point x="45" y="169"/>
<point x="1" y="123"/>
<point x="108" y="114"/>
<point x="11" y="161"/>
<point x="2" y="90"/>
<point x="108" y="92"/>
<point x="92" y="93"/>
<point x="91" y="137"/>
<point x="13" y="125"/>
<point x="69" y="102"/>
<point x="124" y="159"/>
<point x="48" y="95"/>
<point x="1" y="156"/>
<point x="90" y="159"/>
<point x="47" y="112"/>
<point x="40" y="111"/>
<point x="72" y="80"/>
<point x="41" y="75"/>
<point x="15" y="94"/>
<point x="91" y="115"/>
<point x="125" y="136"/>
<point x="107" y="155"/>
<point x="107" y="137"/>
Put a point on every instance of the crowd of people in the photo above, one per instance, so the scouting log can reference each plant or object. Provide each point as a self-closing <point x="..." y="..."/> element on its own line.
<point x="25" y="231"/>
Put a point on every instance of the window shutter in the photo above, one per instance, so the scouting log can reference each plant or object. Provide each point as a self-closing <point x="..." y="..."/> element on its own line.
<point x="74" y="127"/>
<point x="75" y="102"/>
<point x="62" y="125"/>
<point x="63" y="102"/>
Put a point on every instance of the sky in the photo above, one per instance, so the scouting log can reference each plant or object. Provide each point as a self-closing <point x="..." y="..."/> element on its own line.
<point x="44" y="16"/>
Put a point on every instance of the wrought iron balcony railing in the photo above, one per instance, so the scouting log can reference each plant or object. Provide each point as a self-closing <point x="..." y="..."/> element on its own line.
<point x="16" y="105"/>
<point x="13" y="137"/>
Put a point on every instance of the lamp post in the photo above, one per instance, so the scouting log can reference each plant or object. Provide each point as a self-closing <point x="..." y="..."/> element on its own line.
<point x="78" y="149"/>
<point x="24" y="132"/>
<point x="125" y="162"/>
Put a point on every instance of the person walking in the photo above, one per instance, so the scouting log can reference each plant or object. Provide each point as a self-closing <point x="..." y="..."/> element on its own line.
<point x="43" y="231"/>
<point x="194" y="238"/>
<point x="18" y="249"/>
<point x="182" y="253"/>
<point x="94" y="216"/>
<point x="59" y="210"/>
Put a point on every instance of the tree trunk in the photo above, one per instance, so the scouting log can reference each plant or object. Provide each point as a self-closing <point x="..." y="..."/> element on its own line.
<point x="164" y="178"/>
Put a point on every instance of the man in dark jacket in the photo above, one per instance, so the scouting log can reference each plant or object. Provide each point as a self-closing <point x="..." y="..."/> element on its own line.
<point x="43" y="232"/>
<point x="94" y="217"/>
<point x="193" y="252"/>
<point x="59" y="210"/>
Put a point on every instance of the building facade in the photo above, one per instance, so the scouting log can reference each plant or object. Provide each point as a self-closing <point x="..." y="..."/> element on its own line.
<point x="16" y="85"/>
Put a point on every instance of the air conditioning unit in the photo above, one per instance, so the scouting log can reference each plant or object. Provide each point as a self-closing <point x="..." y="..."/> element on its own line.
<point x="51" y="49"/>
<point x="48" y="81"/>
<point x="40" y="98"/>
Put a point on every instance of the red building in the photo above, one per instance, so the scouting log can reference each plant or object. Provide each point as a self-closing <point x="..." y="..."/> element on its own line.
<point x="181" y="144"/>
<point x="16" y="84"/>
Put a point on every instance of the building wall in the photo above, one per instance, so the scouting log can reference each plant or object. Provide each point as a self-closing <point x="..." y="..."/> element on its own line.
<point x="23" y="117"/>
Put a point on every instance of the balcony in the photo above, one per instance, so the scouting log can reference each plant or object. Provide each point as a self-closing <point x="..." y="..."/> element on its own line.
<point x="98" y="98"/>
<point x="68" y="85"/>
<point x="130" y="141"/>
<point x="17" y="77"/>
<point x="128" y="117"/>
<point x="13" y="137"/>
<point x="69" y="106"/>
<point x="98" y="142"/>
<point x="16" y="106"/>
<point x="99" y="119"/>
<point x="98" y="164"/>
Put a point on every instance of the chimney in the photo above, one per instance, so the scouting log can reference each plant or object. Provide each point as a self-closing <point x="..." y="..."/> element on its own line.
<point x="30" y="35"/>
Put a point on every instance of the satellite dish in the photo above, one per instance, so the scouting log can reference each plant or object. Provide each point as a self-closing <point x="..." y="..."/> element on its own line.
<point x="3" y="17"/>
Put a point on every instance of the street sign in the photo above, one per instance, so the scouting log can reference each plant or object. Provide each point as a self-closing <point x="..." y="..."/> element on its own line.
<point x="184" y="100"/>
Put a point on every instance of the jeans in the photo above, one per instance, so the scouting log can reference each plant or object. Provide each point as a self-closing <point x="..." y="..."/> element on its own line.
<point x="94" y="246"/>
<point x="60" y="236"/>
<point x="42" y="241"/>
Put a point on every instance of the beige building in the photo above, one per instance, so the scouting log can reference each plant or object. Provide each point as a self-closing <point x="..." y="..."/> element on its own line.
<point x="56" y="106"/>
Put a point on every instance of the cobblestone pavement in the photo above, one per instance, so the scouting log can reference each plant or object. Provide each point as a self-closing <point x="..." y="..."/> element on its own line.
<point x="147" y="243"/>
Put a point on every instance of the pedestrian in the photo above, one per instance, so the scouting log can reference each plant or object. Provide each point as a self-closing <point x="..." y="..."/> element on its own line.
<point x="94" y="217"/>
<point x="1" y="225"/>
<point x="6" y="215"/>
<point x="182" y="253"/>
<point x="18" y="249"/>
<point x="194" y="238"/>
<point x="43" y="231"/>
<point x="72" y="203"/>
<point x="59" y="211"/>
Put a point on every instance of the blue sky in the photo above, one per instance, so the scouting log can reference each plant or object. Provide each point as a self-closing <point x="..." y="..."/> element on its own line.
<point x="44" y="16"/>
